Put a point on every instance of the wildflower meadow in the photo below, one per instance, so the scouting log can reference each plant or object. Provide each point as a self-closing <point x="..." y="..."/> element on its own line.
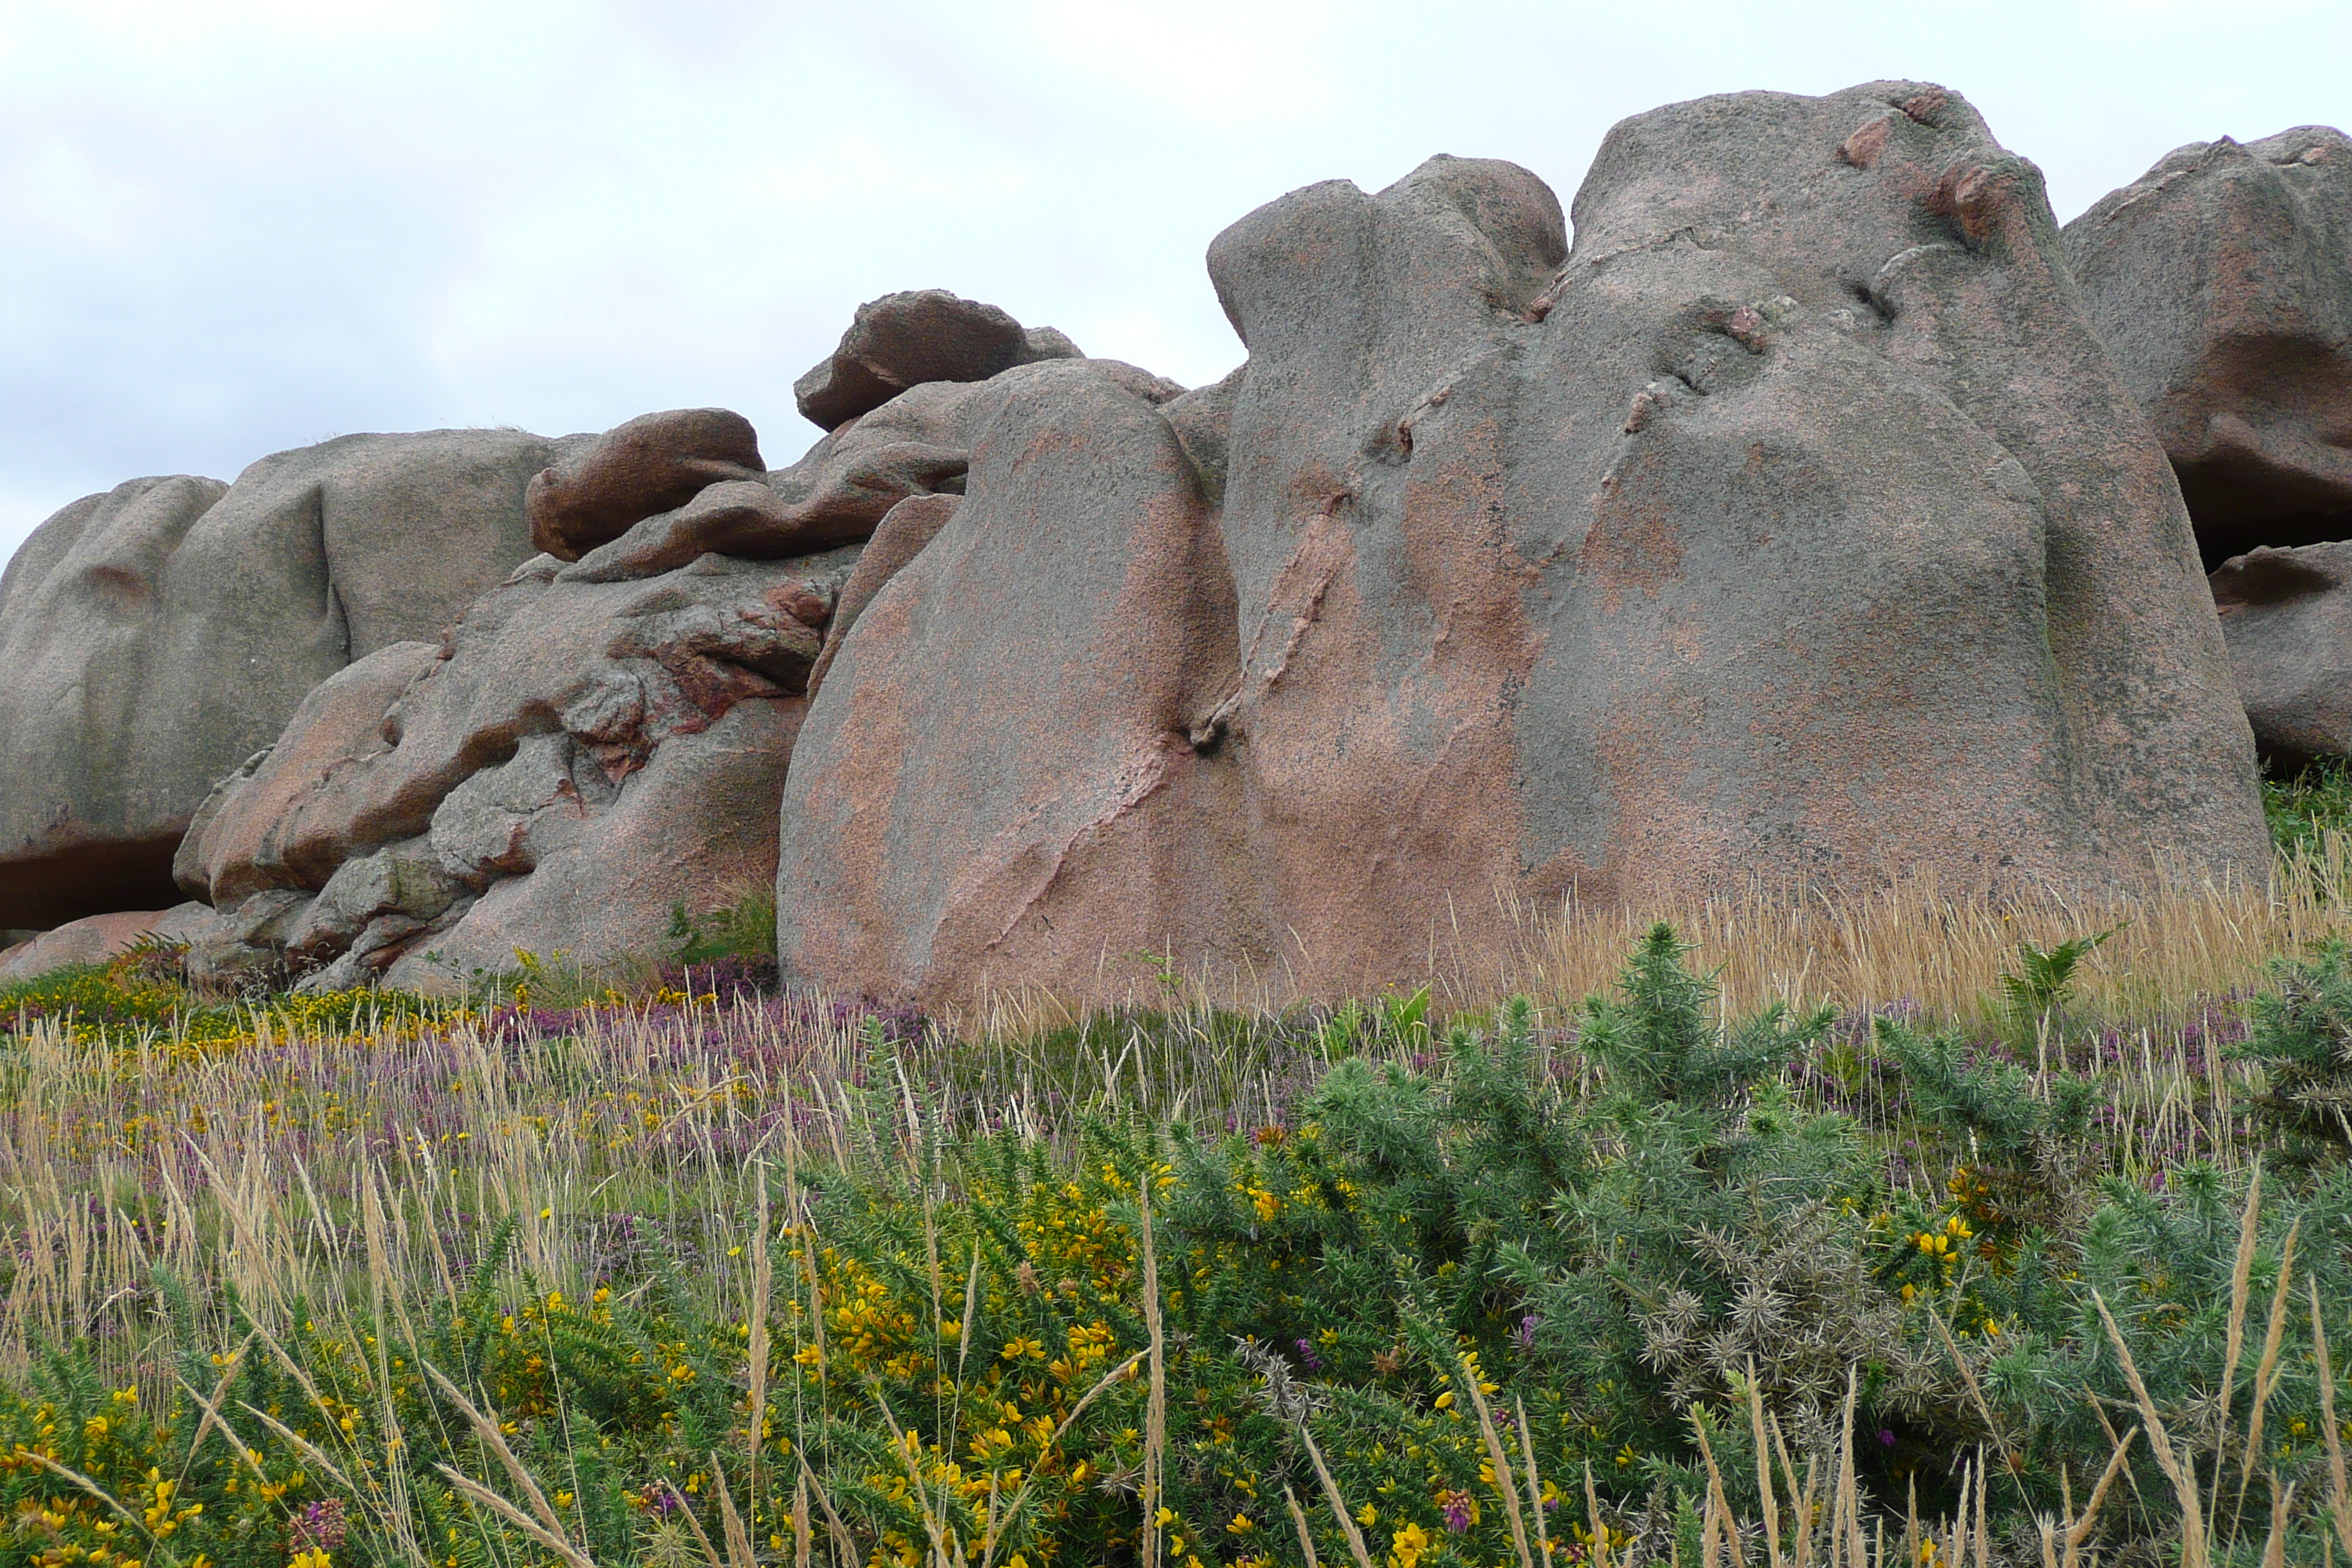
<point x="1775" y="1231"/>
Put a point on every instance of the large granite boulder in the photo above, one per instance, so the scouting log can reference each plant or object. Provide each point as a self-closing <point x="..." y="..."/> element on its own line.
<point x="1797" y="528"/>
<point x="997" y="784"/>
<point x="154" y="638"/>
<point x="2222" y="281"/>
<point x="1794" y="529"/>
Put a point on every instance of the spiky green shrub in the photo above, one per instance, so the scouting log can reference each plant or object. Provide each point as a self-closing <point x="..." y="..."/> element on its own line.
<point x="2302" y="1035"/>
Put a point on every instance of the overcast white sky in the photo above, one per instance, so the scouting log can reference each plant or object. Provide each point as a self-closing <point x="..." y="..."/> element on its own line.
<point x="231" y="227"/>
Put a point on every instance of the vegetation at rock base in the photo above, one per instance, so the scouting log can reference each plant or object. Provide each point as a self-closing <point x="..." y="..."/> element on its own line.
<point x="2305" y="806"/>
<point x="676" y="1267"/>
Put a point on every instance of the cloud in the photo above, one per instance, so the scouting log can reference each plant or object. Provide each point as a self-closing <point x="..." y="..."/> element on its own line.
<point x="230" y="228"/>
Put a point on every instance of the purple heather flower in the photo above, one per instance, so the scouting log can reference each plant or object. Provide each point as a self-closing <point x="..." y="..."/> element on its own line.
<point x="320" y="1524"/>
<point x="1307" y="1353"/>
<point x="1524" y="1336"/>
<point x="1457" y="1513"/>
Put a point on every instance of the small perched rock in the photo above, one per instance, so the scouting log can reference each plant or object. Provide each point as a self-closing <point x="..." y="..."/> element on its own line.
<point x="655" y="463"/>
<point x="907" y="339"/>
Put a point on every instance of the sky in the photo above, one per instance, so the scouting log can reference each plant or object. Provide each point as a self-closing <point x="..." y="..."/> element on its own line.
<point x="232" y="227"/>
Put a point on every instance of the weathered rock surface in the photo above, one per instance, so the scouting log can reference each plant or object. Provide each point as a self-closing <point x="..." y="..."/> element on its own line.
<point x="656" y="462"/>
<point x="575" y="760"/>
<point x="87" y="824"/>
<point x="917" y="444"/>
<point x="898" y="538"/>
<point x="577" y="755"/>
<point x="996" y="786"/>
<point x="1797" y="528"/>
<point x="2222" y="282"/>
<point x="154" y="638"/>
<point x="1794" y="528"/>
<point x="2288" y="616"/>
<point x="907" y="339"/>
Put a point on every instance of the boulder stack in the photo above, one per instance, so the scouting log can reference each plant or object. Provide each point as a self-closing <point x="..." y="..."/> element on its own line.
<point x="1795" y="529"/>
<point x="579" y="754"/>
<point x="2222" y="283"/>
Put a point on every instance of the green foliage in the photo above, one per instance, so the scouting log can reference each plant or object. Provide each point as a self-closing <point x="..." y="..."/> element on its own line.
<point x="1398" y="1021"/>
<point x="1659" y="1043"/>
<point x="144" y="993"/>
<point x="2302" y="1034"/>
<point x="1606" y="1227"/>
<point x="2032" y="993"/>
<point x="745" y="929"/>
<point x="2304" y="808"/>
<point x="1991" y="1102"/>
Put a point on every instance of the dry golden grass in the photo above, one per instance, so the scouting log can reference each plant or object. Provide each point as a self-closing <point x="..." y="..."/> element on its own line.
<point x="2181" y="940"/>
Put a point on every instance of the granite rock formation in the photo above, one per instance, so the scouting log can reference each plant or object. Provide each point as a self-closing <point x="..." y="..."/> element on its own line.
<point x="155" y="636"/>
<point x="574" y="758"/>
<point x="1794" y="527"/>
<point x="2222" y="281"/>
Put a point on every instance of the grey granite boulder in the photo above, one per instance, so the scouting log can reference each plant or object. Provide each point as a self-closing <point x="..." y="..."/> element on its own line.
<point x="154" y="638"/>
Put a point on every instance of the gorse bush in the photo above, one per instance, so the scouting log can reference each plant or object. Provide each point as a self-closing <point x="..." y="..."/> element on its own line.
<point x="1462" y="1289"/>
